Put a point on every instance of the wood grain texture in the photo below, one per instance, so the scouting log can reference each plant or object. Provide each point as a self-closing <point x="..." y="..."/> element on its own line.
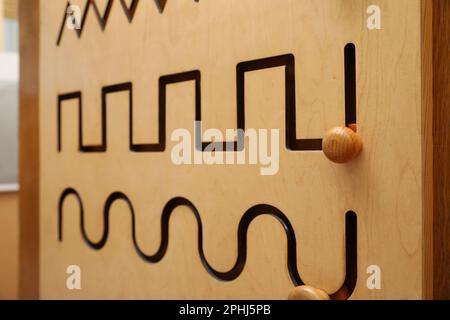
<point x="383" y="186"/>
<point x="427" y="143"/>
<point x="342" y="144"/>
<point x="441" y="147"/>
<point x="308" y="293"/>
<point x="435" y="124"/>
<point x="29" y="149"/>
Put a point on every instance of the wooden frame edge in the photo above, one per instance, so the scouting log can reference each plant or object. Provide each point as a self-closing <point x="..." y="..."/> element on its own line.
<point x="435" y="32"/>
<point x="441" y="149"/>
<point x="29" y="150"/>
<point x="426" y="40"/>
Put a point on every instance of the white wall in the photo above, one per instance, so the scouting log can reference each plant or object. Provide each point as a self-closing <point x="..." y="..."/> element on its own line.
<point x="9" y="101"/>
<point x="9" y="63"/>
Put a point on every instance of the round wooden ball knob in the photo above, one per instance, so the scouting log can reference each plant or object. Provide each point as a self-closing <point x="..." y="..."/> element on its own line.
<point x="342" y="144"/>
<point x="308" y="293"/>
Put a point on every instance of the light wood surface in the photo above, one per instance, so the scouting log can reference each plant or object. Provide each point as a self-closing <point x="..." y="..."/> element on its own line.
<point x="11" y="8"/>
<point x="384" y="185"/>
<point x="9" y="245"/>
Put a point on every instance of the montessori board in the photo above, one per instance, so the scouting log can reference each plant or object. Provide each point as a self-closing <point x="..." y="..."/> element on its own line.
<point x="122" y="81"/>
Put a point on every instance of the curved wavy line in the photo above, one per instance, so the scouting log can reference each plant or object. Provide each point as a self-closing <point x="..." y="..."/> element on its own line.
<point x="252" y="213"/>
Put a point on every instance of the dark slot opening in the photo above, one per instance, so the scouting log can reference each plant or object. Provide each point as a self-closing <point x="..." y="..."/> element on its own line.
<point x="350" y="84"/>
<point x="351" y="244"/>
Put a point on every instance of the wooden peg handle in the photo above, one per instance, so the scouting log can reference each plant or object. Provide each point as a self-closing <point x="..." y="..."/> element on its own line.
<point x="308" y="293"/>
<point x="342" y="144"/>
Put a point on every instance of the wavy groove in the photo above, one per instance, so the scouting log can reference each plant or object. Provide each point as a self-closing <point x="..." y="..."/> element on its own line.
<point x="251" y="214"/>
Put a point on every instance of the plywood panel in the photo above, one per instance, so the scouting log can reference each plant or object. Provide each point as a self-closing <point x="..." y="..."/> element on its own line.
<point x="214" y="40"/>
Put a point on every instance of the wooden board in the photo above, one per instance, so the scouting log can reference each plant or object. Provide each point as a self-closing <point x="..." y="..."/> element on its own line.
<point x="140" y="50"/>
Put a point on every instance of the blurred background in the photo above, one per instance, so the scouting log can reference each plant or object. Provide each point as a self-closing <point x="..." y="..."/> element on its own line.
<point x="9" y="187"/>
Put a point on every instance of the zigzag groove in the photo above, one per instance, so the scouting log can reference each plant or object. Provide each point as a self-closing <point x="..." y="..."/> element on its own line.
<point x="103" y="19"/>
<point x="250" y="215"/>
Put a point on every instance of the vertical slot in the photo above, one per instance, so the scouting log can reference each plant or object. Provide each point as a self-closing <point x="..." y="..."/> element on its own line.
<point x="350" y="84"/>
<point x="351" y="247"/>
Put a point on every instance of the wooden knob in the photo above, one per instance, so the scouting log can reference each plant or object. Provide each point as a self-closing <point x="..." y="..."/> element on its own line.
<point x="342" y="144"/>
<point x="308" y="293"/>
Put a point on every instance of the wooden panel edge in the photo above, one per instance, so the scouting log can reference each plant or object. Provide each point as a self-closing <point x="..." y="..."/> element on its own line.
<point x="441" y="149"/>
<point x="436" y="148"/>
<point x="29" y="150"/>
<point x="427" y="145"/>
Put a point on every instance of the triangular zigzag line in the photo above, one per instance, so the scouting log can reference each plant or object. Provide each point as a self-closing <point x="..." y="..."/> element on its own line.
<point x="103" y="18"/>
<point x="131" y="10"/>
<point x="161" y="5"/>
